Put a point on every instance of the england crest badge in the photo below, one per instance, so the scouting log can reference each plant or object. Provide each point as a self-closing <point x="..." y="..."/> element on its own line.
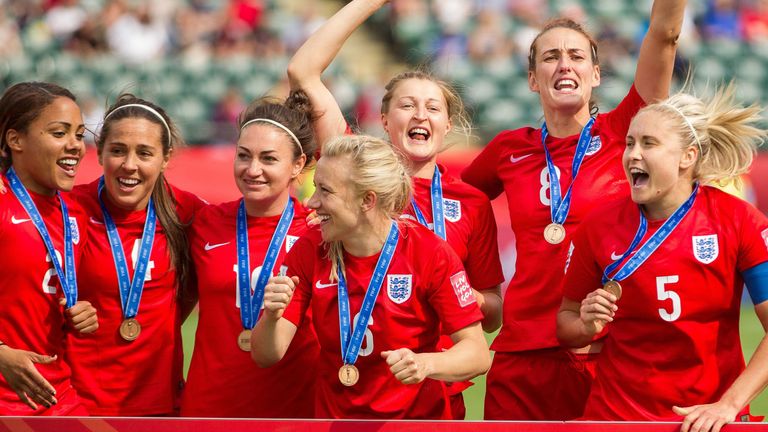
<point x="289" y="242"/>
<point x="399" y="287"/>
<point x="74" y="229"/>
<point x="452" y="209"/>
<point x="765" y="237"/>
<point x="595" y="144"/>
<point x="705" y="248"/>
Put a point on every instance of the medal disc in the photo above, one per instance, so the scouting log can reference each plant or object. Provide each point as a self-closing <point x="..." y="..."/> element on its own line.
<point x="614" y="288"/>
<point x="348" y="375"/>
<point x="130" y="329"/>
<point x="554" y="233"/>
<point x="244" y="340"/>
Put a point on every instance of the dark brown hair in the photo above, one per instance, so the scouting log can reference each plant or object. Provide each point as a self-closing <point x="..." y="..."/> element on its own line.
<point x="295" y="114"/>
<point x="570" y="24"/>
<point x="20" y="105"/>
<point x="162" y="195"/>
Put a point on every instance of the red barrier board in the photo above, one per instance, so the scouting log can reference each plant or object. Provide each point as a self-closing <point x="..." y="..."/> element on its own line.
<point x="110" y="424"/>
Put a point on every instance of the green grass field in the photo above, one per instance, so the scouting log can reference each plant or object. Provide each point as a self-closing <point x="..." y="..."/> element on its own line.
<point x="751" y="333"/>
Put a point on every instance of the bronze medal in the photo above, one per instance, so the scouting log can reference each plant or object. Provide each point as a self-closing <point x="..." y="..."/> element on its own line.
<point x="244" y="340"/>
<point x="614" y="288"/>
<point x="348" y="375"/>
<point x="130" y="329"/>
<point x="554" y="233"/>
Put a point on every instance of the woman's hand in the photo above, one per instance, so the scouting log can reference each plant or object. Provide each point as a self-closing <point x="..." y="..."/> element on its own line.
<point x="278" y="294"/>
<point x="18" y="368"/>
<point x="707" y="417"/>
<point x="597" y="309"/>
<point x="407" y="366"/>
<point x="82" y="316"/>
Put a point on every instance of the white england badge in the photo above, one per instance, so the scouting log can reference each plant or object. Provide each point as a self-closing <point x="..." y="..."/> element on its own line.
<point x="399" y="287"/>
<point x="451" y="209"/>
<point x="75" y="231"/>
<point x="595" y="144"/>
<point x="705" y="248"/>
<point x="289" y="242"/>
<point x="765" y="237"/>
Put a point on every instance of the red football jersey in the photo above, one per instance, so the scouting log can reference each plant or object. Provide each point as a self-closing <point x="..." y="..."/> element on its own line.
<point x="514" y="163"/>
<point x="469" y="224"/>
<point x="115" y="377"/>
<point x="675" y="336"/>
<point x="30" y="316"/>
<point x="425" y="288"/>
<point x="223" y="380"/>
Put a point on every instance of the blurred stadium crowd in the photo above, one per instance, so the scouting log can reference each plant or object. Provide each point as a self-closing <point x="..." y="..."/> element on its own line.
<point x="204" y="59"/>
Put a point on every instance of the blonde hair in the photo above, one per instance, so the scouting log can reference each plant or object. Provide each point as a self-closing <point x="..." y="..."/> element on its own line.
<point x="725" y="132"/>
<point x="375" y="166"/>
<point x="457" y="111"/>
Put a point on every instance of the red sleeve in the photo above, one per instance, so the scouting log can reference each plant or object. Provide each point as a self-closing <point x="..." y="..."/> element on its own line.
<point x="582" y="273"/>
<point x="300" y="262"/>
<point x="619" y="118"/>
<point x="483" y="263"/>
<point x="188" y="204"/>
<point x="753" y="237"/>
<point x="450" y="293"/>
<point x="482" y="172"/>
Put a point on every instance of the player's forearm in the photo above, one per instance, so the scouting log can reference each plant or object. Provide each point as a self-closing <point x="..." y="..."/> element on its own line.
<point x="314" y="56"/>
<point x="657" y="52"/>
<point x="491" y="305"/>
<point x="270" y="339"/>
<point x="466" y="359"/>
<point x="572" y="332"/>
<point x="752" y="380"/>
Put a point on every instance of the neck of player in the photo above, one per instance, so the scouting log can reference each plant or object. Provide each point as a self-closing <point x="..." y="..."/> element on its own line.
<point x="664" y="205"/>
<point x="423" y="169"/>
<point x="271" y="206"/>
<point x="563" y="123"/>
<point x="369" y="238"/>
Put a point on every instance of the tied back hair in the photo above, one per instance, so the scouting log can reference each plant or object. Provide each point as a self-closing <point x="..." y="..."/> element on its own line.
<point x="162" y="195"/>
<point x="374" y="166"/>
<point x="726" y="133"/>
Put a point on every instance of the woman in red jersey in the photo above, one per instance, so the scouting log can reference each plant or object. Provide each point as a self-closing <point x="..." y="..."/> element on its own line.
<point x="43" y="235"/>
<point x="136" y="267"/>
<point x="672" y="269"/>
<point x="418" y="111"/>
<point x="236" y="247"/>
<point x="379" y="291"/>
<point x="537" y="169"/>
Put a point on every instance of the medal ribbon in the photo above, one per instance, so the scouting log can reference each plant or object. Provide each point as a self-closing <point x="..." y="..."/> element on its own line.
<point x="350" y="345"/>
<point x="251" y="304"/>
<point x="130" y="290"/>
<point x="438" y="214"/>
<point x="68" y="278"/>
<point x="650" y="245"/>
<point x="560" y="206"/>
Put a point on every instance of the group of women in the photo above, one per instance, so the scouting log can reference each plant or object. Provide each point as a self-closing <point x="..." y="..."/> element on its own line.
<point x="278" y="283"/>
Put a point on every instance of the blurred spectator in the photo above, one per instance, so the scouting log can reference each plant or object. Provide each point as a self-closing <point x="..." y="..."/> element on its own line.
<point x="65" y="18"/>
<point x="10" y="42"/>
<point x="754" y="21"/>
<point x="136" y="37"/>
<point x="488" y="40"/>
<point x="224" y="117"/>
<point x="721" y="20"/>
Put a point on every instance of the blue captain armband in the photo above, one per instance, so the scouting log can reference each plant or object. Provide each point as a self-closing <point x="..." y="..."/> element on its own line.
<point x="756" y="279"/>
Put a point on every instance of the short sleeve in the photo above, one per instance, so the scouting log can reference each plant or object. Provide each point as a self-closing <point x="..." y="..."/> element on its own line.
<point x="582" y="273"/>
<point x="483" y="264"/>
<point x="618" y="119"/>
<point x="449" y="291"/>
<point x="300" y="262"/>
<point x="482" y="172"/>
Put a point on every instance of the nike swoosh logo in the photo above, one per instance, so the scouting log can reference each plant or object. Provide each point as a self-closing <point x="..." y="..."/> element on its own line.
<point x="318" y="285"/>
<point x="514" y="159"/>
<point x="615" y="257"/>
<point x="96" y="221"/>
<point x="18" y="221"/>
<point x="209" y="246"/>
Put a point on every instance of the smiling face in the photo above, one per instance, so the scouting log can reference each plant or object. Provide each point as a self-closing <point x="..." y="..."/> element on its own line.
<point x="657" y="163"/>
<point x="336" y="201"/>
<point x="133" y="159"/>
<point x="417" y="119"/>
<point x="265" y="165"/>
<point x="47" y="155"/>
<point x="563" y="74"/>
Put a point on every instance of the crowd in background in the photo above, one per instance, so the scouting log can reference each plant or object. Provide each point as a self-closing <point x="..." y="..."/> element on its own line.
<point x="478" y="44"/>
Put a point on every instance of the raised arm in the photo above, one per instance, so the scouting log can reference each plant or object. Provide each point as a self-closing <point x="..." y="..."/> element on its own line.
<point x="309" y="62"/>
<point x="657" y="52"/>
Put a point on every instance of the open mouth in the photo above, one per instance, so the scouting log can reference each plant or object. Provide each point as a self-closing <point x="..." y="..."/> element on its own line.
<point x="639" y="177"/>
<point x="418" y="134"/>
<point x="566" y="85"/>
<point x="127" y="182"/>
<point x="68" y="164"/>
